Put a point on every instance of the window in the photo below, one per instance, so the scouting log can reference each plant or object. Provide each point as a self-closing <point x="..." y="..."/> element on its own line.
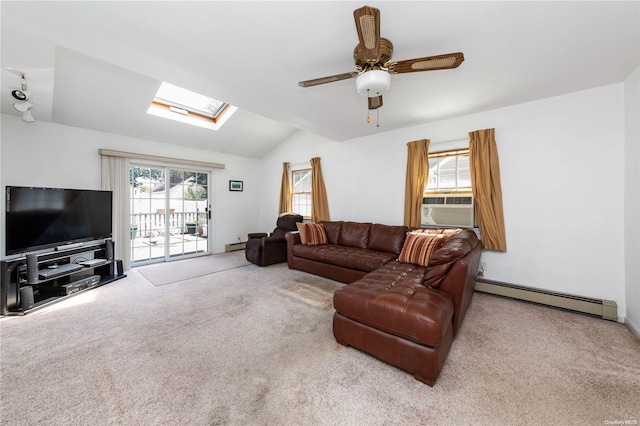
<point x="176" y="103"/>
<point x="448" y="197"/>
<point x="301" y="193"/>
<point x="449" y="172"/>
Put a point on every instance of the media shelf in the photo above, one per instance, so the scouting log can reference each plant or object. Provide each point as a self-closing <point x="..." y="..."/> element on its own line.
<point x="37" y="280"/>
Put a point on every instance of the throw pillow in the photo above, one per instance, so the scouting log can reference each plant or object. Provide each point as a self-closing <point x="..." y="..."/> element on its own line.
<point x="302" y="229"/>
<point x="315" y="234"/>
<point x="418" y="247"/>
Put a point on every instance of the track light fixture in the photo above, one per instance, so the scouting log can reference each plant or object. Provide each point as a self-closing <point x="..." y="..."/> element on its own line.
<point x="27" y="117"/>
<point x="23" y="105"/>
<point x="21" y="94"/>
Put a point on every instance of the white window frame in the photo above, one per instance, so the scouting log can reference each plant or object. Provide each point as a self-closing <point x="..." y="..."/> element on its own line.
<point x="294" y="193"/>
<point x="449" y="199"/>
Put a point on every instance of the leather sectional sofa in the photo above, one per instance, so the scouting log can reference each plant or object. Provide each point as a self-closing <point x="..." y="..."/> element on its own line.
<point x="403" y="313"/>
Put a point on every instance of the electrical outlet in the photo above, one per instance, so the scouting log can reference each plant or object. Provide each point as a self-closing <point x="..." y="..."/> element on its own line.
<point x="482" y="269"/>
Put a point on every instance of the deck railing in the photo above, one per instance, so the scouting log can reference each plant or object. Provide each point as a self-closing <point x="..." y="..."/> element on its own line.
<point x="145" y="224"/>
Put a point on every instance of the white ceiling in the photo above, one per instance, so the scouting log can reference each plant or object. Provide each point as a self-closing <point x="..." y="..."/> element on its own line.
<point x="97" y="65"/>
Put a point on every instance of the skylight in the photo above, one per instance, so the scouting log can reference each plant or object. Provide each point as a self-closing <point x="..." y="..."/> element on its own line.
<point x="176" y="103"/>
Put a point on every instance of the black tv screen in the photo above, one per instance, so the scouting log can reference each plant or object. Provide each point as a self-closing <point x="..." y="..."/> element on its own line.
<point x="39" y="218"/>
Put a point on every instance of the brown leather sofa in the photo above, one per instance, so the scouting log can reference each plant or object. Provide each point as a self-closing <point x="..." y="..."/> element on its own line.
<point x="353" y="250"/>
<point x="401" y="313"/>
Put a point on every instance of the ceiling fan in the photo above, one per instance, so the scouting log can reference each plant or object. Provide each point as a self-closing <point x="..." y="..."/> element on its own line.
<point x="373" y="62"/>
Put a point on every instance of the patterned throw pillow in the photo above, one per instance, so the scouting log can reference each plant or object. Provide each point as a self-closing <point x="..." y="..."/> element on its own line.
<point x="315" y="234"/>
<point x="418" y="247"/>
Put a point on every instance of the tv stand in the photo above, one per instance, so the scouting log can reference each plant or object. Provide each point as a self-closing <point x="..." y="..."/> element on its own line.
<point x="55" y="275"/>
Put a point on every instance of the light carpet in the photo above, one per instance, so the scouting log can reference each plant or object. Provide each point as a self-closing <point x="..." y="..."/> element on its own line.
<point x="254" y="346"/>
<point x="187" y="269"/>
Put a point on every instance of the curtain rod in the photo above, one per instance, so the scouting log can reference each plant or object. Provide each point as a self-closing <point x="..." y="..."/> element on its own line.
<point x="138" y="156"/>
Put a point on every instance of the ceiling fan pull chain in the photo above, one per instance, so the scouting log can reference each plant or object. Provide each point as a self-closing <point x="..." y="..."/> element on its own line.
<point x="378" y="117"/>
<point x="368" y="116"/>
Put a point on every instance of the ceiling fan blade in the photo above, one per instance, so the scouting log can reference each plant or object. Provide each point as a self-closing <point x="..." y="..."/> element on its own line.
<point x="368" y="25"/>
<point x="375" y="103"/>
<point x="429" y="63"/>
<point x="330" y="79"/>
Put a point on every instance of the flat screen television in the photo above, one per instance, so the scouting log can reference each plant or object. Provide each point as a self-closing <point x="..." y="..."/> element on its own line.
<point x="40" y="218"/>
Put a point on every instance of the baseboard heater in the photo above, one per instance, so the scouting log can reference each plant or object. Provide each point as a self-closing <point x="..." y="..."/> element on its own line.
<point x="234" y="247"/>
<point x="606" y="309"/>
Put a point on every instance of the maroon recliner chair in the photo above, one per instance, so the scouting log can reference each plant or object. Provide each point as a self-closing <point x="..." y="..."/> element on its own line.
<point x="263" y="249"/>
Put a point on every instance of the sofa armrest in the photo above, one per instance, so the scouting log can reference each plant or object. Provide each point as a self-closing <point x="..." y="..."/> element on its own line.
<point x="292" y="239"/>
<point x="460" y="282"/>
<point x="258" y="235"/>
<point x="272" y="241"/>
<point x="274" y="250"/>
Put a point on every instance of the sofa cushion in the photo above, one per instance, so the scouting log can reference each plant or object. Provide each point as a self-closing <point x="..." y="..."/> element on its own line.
<point x="354" y="234"/>
<point x="393" y="299"/>
<point x="417" y="248"/>
<point x="386" y="238"/>
<point x="332" y="229"/>
<point x="347" y="257"/>
<point x="455" y="247"/>
<point x="278" y="232"/>
<point x="288" y="221"/>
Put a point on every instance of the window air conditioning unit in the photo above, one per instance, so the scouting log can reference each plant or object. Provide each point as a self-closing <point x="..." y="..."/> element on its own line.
<point x="448" y="210"/>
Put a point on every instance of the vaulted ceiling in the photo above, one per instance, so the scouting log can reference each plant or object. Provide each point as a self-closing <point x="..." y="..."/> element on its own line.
<point x="97" y="65"/>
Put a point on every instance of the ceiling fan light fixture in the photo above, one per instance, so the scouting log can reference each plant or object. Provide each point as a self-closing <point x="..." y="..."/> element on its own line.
<point x="373" y="83"/>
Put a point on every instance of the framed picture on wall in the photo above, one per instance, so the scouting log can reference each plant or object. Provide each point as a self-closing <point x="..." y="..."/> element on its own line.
<point x="235" y="185"/>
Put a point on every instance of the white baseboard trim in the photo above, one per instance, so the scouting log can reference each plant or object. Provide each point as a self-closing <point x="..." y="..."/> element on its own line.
<point x="606" y="309"/>
<point x="634" y="329"/>
<point x="234" y="247"/>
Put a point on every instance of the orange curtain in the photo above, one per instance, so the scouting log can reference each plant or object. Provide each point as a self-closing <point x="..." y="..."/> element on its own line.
<point x="487" y="192"/>
<point x="416" y="181"/>
<point x="285" y="190"/>
<point x="319" y="205"/>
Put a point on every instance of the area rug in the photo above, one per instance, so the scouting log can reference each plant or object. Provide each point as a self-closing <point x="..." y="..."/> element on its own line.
<point x="172" y="272"/>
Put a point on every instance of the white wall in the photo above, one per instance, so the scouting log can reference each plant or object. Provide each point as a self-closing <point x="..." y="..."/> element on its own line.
<point x="568" y="163"/>
<point x="632" y="200"/>
<point x="52" y="155"/>
<point x="562" y="171"/>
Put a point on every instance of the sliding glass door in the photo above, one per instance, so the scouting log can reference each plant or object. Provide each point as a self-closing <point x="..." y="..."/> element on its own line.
<point x="170" y="213"/>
